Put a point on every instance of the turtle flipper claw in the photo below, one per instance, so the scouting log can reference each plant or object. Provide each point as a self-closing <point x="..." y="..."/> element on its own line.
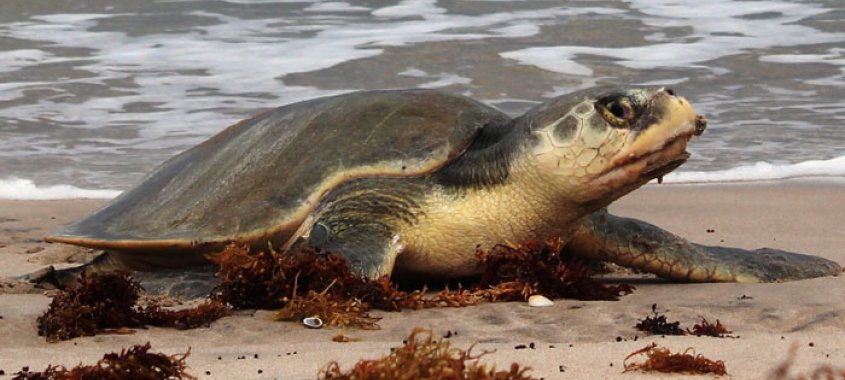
<point x="770" y="265"/>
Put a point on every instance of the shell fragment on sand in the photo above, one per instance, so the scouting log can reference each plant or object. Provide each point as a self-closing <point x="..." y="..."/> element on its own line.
<point x="538" y="300"/>
<point x="312" y="322"/>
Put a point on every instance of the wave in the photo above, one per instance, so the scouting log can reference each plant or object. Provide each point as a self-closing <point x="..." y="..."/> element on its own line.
<point x="20" y="188"/>
<point x="764" y="171"/>
<point x="713" y="36"/>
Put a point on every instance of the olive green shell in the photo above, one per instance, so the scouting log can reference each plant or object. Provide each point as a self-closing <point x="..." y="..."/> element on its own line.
<point x="260" y="178"/>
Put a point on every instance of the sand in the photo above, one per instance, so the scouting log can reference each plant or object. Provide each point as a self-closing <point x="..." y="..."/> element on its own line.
<point x="572" y="339"/>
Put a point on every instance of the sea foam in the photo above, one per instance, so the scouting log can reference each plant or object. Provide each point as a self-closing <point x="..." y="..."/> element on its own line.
<point x="713" y="36"/>
<point x="20" y="188"/>
<point x="764" y="171"/>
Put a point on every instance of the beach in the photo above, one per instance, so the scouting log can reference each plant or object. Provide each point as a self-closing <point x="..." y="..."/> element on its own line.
<point x="571" y="339"/>
<point x="95" y="95"/>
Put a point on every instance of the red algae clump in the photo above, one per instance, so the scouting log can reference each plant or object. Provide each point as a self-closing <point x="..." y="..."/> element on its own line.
<point x="658" y="324"/>
<point x="135" y="363"/>
<point x="309" y="283"/>
<point x="660" y="359"/>
<point x="705" y="328"/>
<point x="108" y="302"/>
<point x="516" y="272"/>
<point x="423" y="357"/>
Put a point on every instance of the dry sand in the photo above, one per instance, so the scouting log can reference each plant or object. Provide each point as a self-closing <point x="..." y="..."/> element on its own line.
<point x="577" y="337"/>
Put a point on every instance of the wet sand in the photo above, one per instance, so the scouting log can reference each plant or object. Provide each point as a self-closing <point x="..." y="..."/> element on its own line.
<point x="577" y="337"/>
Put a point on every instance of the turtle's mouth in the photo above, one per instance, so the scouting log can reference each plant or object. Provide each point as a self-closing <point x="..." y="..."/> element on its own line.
<point x="633" y="171"/>
<point x="657" y="163"/>
<point x="666" y="159"/>
<point x="658" y="170"/>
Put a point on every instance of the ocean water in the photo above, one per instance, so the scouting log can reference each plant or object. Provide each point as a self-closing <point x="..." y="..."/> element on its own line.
<point x="95" y="93"/>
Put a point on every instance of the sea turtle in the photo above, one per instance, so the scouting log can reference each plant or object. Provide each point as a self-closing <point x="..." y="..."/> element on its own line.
<point x="413" y="181"/>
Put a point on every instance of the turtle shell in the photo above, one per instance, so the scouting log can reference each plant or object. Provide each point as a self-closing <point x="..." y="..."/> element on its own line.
<point x="257" y="180"/>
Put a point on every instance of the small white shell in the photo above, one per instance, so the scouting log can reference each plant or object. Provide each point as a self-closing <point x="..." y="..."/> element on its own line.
<point x="313" y="322"/>
<point x="539" y="301"/>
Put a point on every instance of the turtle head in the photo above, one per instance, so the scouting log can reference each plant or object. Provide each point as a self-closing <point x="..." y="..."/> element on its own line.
<point x="600" y="145"/>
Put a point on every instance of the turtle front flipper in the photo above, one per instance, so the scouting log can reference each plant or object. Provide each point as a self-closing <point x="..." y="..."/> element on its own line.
<point x="366" y="246"/>
<point x="361" y="220"/>
<point x="643" y="246"/>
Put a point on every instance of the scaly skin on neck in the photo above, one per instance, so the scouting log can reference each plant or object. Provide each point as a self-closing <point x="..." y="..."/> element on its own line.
<point x="453" y="223"/>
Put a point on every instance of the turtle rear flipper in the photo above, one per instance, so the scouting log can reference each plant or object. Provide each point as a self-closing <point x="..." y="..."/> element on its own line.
<point x="643" y="246"/>
<point x="186" y="283"/>
<point x="52" y="278"/>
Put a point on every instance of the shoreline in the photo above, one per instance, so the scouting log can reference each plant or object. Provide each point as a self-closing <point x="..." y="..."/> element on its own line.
<point x="59" y="192"/>
<point x="768" y="318"/>
<point x="823" y="181"/>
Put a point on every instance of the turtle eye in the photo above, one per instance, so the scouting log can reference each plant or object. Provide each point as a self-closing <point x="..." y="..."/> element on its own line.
<point x="621" y="109"/>
<point x="618" y="111"/>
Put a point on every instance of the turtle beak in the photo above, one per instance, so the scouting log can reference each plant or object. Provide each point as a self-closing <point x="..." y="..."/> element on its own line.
<point x="660" y="147"/>
<point x="675" y="131"/>
<point x="700" y="125"/>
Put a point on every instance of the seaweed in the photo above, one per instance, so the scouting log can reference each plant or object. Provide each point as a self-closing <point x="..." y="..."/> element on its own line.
<point x="108" y="301"/>
<point x="516" y="272"/>
<point x="271" y="280"/>
<point x="705" y="328"/>
<point x="133" y="363"/>
<point x="423" y="357"/>
<point x="198" y="316"/>
<point x="333" y="312"/>
<point x="101" y="301"/>
<point x="308" y="282"/>
<point x="658" y="324"/>
<point x="660" y="359"/>
<point x="250" y="280"/>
